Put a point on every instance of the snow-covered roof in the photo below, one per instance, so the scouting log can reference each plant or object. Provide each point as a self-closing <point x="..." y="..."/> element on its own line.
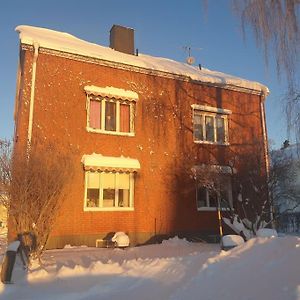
<point x="64" y="42"/>
<point x="109" y="163"/>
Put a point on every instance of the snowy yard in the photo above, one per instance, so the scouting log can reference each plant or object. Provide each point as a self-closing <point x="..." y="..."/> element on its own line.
<point x="262" y="268"/>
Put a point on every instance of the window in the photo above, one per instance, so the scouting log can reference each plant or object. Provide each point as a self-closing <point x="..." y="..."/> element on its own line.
<point x="109" y="182"/>
<point x="208" y="198"/>
<point x="210" y="125"/>
<point x="213" y="186"/>
<point x="108" y="191"/>
<point x="110" y="110"/>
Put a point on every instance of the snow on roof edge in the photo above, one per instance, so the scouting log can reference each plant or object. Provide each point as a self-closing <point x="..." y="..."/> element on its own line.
<point x="65" y="42"/>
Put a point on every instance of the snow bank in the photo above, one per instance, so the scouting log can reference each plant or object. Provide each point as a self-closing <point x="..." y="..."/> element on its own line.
<point x="261" y="268"/>
<point x="65" y="42"/>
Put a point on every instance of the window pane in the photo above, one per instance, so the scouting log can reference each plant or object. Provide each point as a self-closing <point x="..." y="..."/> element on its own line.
<point x="198" y="127"/>
<point x="95" y="114"/>
<point x="110" y="116"/>
<point x="225" y="193"/>
<point x="123" y="181"/>
<point x="93" y="180"/>
<point x="108" y="180"/>
<point x="213" y="202"/>
<point x="201" y="197"/>
<point x="220" y="130"/>
<point x="92" y="198"/>
<point x="224" y="199"/>
<point x="108" y="197"/>
<point x="209" y="127"/>
<point x="124" y="117"/>
<point x="123" y="198"/>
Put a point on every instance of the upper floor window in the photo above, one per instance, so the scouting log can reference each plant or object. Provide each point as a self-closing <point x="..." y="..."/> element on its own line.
<point x="110" y="110"/>
<point x="210" y="125"/>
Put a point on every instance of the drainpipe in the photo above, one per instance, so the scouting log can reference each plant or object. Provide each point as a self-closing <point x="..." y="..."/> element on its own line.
<point x="266" y="152"/>
<point x="266" y="148"/>
<point x="33" y="77"/>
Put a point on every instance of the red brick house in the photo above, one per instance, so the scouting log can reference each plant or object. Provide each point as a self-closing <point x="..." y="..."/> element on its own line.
<point x="140" y="127"/>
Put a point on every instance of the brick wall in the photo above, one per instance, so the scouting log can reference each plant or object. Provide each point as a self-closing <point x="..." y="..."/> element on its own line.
<point x="164" y="199"/>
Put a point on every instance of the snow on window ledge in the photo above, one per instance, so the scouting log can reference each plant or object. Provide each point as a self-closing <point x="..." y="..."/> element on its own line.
<point x="93" y="130"/>
<point x="206" y="208"/>
<point x="212" y="143"/>
<point x="99" y="209"/>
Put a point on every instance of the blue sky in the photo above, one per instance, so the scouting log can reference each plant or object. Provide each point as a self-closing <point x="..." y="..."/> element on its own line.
<point x="162" y="28"/>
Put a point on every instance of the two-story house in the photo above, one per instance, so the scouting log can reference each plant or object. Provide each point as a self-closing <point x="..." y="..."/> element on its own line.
<point x="141" y="128"/>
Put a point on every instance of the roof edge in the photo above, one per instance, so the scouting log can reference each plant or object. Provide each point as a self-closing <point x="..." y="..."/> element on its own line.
<point x="138" y="69"/>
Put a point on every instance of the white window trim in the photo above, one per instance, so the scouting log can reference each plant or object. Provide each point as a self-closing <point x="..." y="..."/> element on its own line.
<point x="212" y="112"/>
<point x="214" y="208"/>
<point x="116" y="208"/>
<point x="217" y="110"/>
<point x="102" y="130"/>
<point x="226" y="171"/>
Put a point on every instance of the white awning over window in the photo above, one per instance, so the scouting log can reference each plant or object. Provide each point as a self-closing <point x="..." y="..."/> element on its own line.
<point x="111" y="92"/>
<point x="98" y="162"/>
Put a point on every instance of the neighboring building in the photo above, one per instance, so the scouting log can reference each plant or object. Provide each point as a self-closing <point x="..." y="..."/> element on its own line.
<point x="139" y="127"/>
<point x="287" y="192"/>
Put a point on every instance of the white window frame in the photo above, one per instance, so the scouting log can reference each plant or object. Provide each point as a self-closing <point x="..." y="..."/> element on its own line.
<point x="118" y="102"/>
<point x="115" y="208"/>
<point x="208" y="111"/>
<point x="207" y="207"/>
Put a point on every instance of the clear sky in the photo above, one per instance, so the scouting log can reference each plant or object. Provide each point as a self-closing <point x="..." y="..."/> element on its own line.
<point x="162" y="28"/>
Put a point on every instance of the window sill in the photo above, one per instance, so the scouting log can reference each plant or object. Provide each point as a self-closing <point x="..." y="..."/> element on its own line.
<point x="211" y="209"/>
<point x="88" y="129"/>
<point x="97" y="209"/>
<point x="211" y="143"/>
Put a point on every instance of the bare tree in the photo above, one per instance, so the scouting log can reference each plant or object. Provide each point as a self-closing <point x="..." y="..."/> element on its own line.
<point x="35" y="182"/>
<point x="5" y="170"/>
<point x="276" y="25"/>
<point x="256" y="195"/>
<point x="285" y="187"/>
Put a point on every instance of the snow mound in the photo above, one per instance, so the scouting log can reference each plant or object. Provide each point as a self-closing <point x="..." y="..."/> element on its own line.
<point x="259" y="269"/>
<point x="232" y="240"/>
<point x="121" y="238"/>
<point x="266" y="232"/>
<point x="175" y="241"/>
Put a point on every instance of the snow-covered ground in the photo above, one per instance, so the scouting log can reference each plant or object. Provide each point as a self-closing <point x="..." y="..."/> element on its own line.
<point x="262" y="268"/>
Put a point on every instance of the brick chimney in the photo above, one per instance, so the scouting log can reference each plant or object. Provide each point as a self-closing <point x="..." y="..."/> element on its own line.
<point x="122" y="39"/>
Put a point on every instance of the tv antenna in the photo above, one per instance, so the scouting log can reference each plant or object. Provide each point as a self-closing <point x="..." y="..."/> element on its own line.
<point x="190" y="59"/>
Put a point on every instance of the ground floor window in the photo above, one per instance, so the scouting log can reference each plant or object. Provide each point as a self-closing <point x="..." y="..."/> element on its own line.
<point x="213" y="188"/>
<point x="108" y="190"/>
<point x="209" y="198"/>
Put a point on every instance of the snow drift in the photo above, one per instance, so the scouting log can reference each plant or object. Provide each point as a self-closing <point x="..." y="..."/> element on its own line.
<point x="262" y="268"/>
